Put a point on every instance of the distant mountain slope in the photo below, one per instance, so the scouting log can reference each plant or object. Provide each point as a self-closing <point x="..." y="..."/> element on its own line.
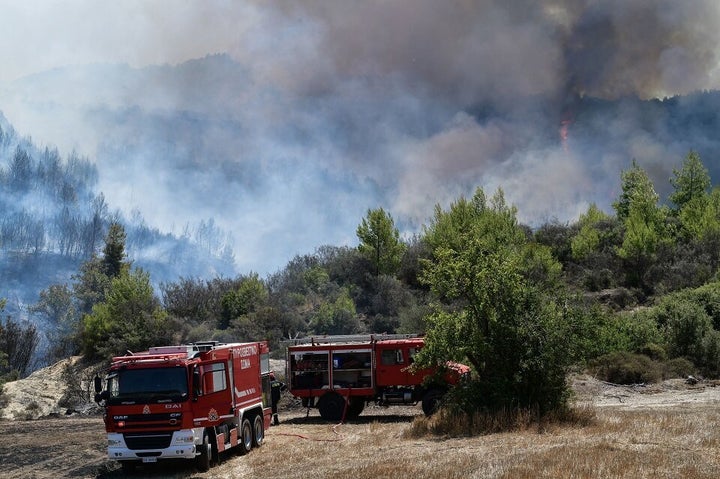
<point x="53" y="217"/>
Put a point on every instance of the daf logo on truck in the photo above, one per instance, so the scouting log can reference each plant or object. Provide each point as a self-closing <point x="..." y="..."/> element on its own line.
<point x="200" y="416"/>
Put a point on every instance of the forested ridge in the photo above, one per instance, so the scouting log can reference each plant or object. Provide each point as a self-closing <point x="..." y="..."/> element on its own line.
<point x="632" y="293"/>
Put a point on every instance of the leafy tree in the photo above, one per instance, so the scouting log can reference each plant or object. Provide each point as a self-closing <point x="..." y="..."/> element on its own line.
<point x="587" y="240"/>
<point x="114" y="251"/>
<point x="639" y="246"/>
<point x="637" y="190"/>
<point x="130" y="318"/>
<point x="644" y="223"/>
<point x="380" y="241"/>
<point x="558" y="237"/>
<point x="247" y="298"/>
<point x="196" y="301"/>
<point x="695" y="208"/>
<point x="686" y="324"/>
<point x="691" y="183"/>
<point x="90" y="284"/>
<point x="56" y="307"/>
<point x="93" y="281"/>
<point x="335" y="316"/>
<point x="493" y="312"/>
<point x="18" y="342"/>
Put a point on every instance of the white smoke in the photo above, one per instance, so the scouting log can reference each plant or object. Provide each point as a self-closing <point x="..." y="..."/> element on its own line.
<point x="316" y="111"/>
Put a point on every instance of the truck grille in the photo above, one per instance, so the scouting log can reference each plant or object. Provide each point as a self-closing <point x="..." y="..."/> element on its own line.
<point x="147" y="441"/>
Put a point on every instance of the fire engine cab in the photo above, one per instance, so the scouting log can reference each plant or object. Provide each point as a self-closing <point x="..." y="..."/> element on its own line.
<point x="191" y="401"/>
<point x="340" y="374"/>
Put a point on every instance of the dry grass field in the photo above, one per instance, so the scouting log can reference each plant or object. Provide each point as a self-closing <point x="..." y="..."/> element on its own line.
<point x="664" y="431"/>
<point x="628" y="443"/>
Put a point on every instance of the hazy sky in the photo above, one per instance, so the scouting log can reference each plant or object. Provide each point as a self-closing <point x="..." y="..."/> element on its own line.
<point x="340" y="106"/>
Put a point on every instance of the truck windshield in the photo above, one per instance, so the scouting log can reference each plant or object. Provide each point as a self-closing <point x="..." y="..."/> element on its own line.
<point x="149" y="385"/>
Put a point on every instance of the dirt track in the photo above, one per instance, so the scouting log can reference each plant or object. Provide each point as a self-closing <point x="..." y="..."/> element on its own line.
<point x="52" y="448"/>
<point x="74" y="447"/>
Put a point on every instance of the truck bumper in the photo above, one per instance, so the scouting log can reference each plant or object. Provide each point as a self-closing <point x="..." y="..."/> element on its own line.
<point x="147" y="447"/>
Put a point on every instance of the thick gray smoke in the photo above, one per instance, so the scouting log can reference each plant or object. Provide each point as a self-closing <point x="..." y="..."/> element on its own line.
<point x="316" y="111"/>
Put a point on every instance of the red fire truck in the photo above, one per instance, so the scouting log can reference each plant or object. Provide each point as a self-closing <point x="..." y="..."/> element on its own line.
<point x="192" y="401"/>
<point x="340" y="374"/>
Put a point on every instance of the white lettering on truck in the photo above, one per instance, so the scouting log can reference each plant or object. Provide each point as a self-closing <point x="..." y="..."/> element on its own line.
<point x="246" y="351"/>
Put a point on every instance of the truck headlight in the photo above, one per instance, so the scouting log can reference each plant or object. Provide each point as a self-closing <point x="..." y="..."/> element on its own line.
<point x="184" y="438"/>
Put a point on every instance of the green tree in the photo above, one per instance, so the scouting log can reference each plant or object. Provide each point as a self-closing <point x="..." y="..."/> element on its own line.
<point x="644" y="223"/>
<point x="380" y="241"/>
<point x="130" y="318"/>
<point x="248" y="297"/>
<point x="494" y="310"/>
<point x="90" y="284"/>
<point x="694" y="205"/>
<point x="56" y="307"/>
<point x="638" y="191"/>
<point x="114" y="251"/>
<point x="335" y="316"/>
<point x="18" y="341"/>
<point x="587" y="240"/>
<point x="691" y="182"/>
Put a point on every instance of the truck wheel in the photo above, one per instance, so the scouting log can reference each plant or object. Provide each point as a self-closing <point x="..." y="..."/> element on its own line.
<point x="246" y="436"/>
<point x="355" y="407"/>
<point x="202" y="461"/>
<point x="431" y="401"/>
<point x="332" y="406"/>
<point x="258" y="430"/>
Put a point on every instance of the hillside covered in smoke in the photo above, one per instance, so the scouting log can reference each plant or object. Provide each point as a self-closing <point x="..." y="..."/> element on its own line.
<point x="285" y="122"/>
<point x="53" y="217"/>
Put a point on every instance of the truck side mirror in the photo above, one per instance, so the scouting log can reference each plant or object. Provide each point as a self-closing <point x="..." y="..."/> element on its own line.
<point x="197" y="391"/>
<point x="98" y="384"/>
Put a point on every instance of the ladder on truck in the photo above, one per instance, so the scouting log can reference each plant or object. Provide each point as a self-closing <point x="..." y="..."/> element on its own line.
<point x="346" y="338"/>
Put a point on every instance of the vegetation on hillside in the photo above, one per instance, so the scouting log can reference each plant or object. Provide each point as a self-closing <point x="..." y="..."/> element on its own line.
<point x="610" y="291"/>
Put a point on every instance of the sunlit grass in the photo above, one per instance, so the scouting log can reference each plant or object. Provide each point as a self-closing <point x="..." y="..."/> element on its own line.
<point x="602" y="443"/>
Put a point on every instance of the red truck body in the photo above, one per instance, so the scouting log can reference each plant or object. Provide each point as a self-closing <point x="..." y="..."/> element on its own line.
<point x="340" y="374"/>
<point x="191" y="401"/>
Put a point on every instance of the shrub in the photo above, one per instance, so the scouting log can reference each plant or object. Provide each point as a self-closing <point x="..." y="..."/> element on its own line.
<point x="678" y="368"/>
<point x="626" y="368"/>
<point x="455" y="423"/>
<point x="686" y="325"/>
<point x="654" y="351"/>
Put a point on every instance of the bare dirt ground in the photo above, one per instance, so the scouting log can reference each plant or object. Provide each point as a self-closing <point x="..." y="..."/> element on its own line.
<point x="663" y="430"/>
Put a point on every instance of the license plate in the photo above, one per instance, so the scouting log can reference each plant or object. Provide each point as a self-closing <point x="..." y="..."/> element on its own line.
<point x="149" y="459"/>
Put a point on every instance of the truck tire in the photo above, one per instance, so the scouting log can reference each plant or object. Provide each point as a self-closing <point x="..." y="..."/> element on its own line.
<point x="202" y="460"/>
<point x="355" y="407"/>
<point x="431" y="401"/>
<point x="258" y="430"/>
<point x="246" y="436"/>
<point x="332" y="406"/>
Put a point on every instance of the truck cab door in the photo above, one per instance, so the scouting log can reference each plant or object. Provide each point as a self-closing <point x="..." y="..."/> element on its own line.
<point x="392" y="363"/>
<point x="215" y="402"/>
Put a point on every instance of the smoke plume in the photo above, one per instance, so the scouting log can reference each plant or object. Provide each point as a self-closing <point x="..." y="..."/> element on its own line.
<point x="305" y="114"/>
